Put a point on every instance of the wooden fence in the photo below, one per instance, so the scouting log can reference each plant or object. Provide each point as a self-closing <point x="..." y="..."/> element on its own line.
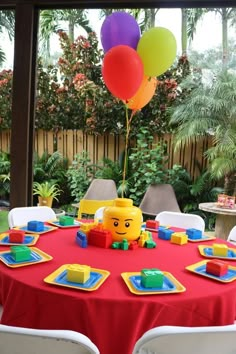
<point x="72" y="142"/>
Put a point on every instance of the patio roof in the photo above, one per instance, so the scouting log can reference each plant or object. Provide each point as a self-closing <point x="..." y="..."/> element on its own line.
<point x="24" y="79"/>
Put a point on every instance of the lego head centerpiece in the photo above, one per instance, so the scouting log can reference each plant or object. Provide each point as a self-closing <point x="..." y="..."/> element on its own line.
<point x="123" y="220"/>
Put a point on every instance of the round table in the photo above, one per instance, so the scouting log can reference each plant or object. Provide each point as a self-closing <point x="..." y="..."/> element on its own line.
<point x="113" y="317"/>
<point x="225" y="218"/>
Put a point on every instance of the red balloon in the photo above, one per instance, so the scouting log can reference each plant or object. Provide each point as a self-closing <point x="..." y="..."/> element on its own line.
<point x="122" y="71"/>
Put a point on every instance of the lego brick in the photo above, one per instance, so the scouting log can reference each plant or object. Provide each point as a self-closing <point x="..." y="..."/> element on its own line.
<point x="78" y="273"/>
<point x="179" y="238"/>
<point x="34" y="225"/>
<point x="16" y="236"/>
<point x="133" y="245"/>
<point x="194" y="234"/>
<point x="152" y="278"/>
<point x="81" y="239"/>
<point x="165" y="234"/>
<point x="100" y="237"/>
<point x="66" y="220"/>
<point x="124" y="245"/>
<point x="152" y="224"/>
<point x="150" y="244"/>
<point x="216" y="267"/>
<point x="20" y="253"/>
<point x="219" y="250"/>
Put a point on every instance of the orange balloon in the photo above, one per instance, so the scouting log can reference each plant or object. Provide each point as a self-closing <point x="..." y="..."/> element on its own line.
<point x="144" y="94"/>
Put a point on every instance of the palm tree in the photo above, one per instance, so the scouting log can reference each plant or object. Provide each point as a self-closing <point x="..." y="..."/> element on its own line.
<point x="7" y="20"/>
<point x="51" y="22"/>
<point x="145" y="17"/>
<point x="211" y="110"/>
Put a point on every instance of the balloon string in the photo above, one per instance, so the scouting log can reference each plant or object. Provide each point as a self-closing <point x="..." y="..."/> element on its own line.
<point x="128" y="124"/>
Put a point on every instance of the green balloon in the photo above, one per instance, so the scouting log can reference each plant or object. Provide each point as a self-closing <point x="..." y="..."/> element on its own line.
<point x="157" y="48"/>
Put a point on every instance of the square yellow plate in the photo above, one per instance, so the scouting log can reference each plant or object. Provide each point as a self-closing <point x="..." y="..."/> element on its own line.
<point x="207" y="251"/>
<point x="37" y="256"/>
<point x="47" y="228"/>
<point x="202" y="239"/>
<point x="29" y="240"/>
<point x="97" y="278"/>
<point x="57" y="224"/>
<point x="200" y="269"/>
<point x="170" y="286"/>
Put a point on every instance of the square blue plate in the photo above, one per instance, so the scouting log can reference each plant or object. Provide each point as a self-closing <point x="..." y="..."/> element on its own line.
<point x="168" y="285"/>
<point x="8" y="258"/>
<point x="231" y="274"/>
<point x="27" y="239"/>
<point x="90" y="283"/>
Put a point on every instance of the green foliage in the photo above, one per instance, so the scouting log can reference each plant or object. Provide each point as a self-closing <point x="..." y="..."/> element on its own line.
<point x="46" y="189"/>
<point x="5" y="165"/>
<point x="52" y="168"/>
<point x="80" y="175"/>
<point x="210" y="110"/>
<point x="147" y="164"/>
<point x="5" y="98"/>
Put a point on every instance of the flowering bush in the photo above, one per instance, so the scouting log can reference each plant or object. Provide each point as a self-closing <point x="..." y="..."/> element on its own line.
<point x="5" y="98"/>
<point x="72" y="94"/>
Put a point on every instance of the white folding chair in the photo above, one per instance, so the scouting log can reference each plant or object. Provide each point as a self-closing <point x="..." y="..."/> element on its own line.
<point x="99" y="213"/>
<point x="232" y="235"/>
<point x="187" y="340"/>
<point x="21" y="216"/>
<point x="183" y="220"/>
<point x="15" y="340"/>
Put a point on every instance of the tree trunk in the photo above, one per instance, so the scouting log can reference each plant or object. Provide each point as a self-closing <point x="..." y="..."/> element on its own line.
<point x="224" y="37"/>
<point x="184" y="36"/>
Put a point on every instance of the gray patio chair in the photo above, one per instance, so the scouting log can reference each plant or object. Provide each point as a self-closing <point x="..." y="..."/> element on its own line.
<point x="157" y="198"/>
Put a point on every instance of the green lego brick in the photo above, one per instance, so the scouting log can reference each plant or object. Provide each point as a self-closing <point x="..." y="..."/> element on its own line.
<point x="20" y="253"/>
<point x="152" y="278"/>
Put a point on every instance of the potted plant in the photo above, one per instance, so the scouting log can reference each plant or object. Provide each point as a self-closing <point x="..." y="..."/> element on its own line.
<point x="46" y="192"/>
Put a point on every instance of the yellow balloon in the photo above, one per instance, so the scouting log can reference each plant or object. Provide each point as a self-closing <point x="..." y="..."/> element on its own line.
<point x="157" y="48"/>
<point x="144" y="93"/>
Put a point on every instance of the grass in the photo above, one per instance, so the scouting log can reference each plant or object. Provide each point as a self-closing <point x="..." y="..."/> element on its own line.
<point x="3" y="220"/>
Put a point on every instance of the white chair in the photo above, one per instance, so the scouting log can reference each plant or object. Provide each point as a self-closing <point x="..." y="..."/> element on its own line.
<point x="15" y="340"/>
<point x="99" y="213"/>
<point x="181" y="220"/>
<point x="187" y="340"/>
<point x="21" y="216"/>
<point x="232" y="235"/>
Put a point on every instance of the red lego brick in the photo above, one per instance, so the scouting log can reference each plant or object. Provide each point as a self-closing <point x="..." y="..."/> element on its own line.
<point x="16" y="236"/>
<point x="152" y="224"/>
<point x="133" y="245"/>
<point x="100" y="237"/>
<point x="217" y="267"/>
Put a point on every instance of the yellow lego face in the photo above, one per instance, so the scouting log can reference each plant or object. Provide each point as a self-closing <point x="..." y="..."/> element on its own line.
<point x="123" y="227"/>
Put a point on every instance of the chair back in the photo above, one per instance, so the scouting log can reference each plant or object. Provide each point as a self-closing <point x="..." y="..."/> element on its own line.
<point x="22" y="215"/>
<point x="101" y="189"/>
<point x="183" y="220"/>
<point x="232" y="235"/>
<point x="89" y="207"/>
<point x="187" y="340"/>
<point x="15" y="340"/>
<point x="157" y="198"/>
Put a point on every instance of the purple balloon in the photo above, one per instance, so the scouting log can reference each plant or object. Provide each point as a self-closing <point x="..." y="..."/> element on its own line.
<point x="119" y="28"/>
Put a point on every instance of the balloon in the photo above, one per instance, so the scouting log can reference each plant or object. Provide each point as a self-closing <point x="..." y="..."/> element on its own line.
<point x="144" y="93"/>
<point x="119" y="28"/>
<point x="157" y="49"/>
<point x="122" y="71"/>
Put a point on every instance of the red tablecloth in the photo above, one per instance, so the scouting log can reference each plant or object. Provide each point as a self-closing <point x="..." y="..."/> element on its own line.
<point x="111" y="316"/>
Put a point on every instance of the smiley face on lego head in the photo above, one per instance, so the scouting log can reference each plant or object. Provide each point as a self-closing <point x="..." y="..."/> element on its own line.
<point x="123" y="220"/>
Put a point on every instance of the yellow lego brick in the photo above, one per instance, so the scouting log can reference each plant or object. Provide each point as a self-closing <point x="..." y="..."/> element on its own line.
<point x="179" y="238"/>
<point x="141" y="241"/>
<point x="78" y="273"/>
<point x="220" y="250"/>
